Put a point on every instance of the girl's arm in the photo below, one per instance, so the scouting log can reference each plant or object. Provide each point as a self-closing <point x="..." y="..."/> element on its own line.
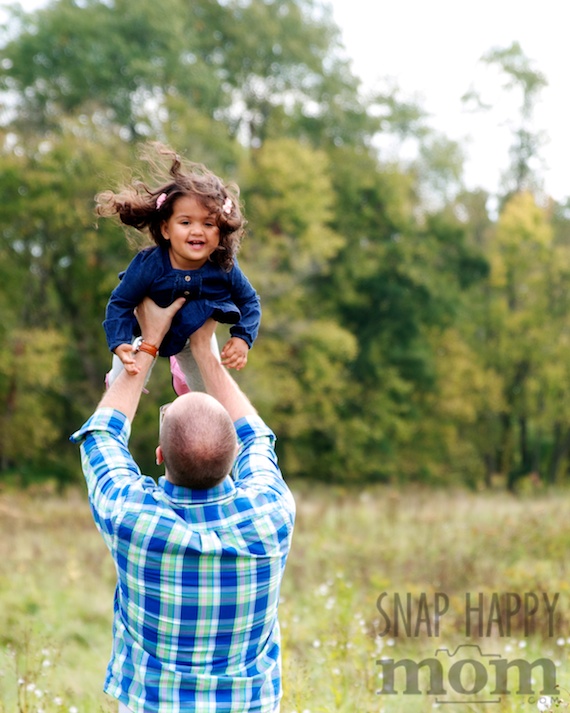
<point x="120" y="322"/>
<point x="235" y="351"/>
<point x="247" y="299"/>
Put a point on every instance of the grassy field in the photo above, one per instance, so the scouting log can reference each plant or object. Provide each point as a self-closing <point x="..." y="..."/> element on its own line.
<point x="360" y="559"/>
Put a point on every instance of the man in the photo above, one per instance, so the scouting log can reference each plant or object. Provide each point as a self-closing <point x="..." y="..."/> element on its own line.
<point x="200" y="555"/>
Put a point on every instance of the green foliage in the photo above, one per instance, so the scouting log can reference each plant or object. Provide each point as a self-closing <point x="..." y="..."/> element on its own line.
<point x="406" y="334"/>
<point x="116" y="60"/>
<point x="130" y="66"/>
<point x="30" y="371"/>
<point x="299" y="365"/>
<point x="517" y="320"/>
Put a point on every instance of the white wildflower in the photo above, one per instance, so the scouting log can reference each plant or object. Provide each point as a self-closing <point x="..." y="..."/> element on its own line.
<point x="544" y="704"/>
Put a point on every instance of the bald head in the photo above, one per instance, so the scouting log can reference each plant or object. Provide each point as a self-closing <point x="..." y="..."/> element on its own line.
<point x="198" y="441"/>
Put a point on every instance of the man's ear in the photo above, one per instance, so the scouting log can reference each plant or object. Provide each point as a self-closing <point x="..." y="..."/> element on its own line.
<point x="159" y="458"/>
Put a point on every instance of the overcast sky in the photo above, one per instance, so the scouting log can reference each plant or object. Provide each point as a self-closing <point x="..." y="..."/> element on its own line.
<point x="433" y="49"/>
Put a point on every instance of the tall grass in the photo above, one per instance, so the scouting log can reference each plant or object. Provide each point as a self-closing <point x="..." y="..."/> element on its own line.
<point x="350" y="547"/>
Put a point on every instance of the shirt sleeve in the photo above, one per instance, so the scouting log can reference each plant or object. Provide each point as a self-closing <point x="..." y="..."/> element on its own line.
<point x="120" y="321"/>
<point x="109" y="468"/>
<point x="247" y="299"/>
<point x="256" y="469"/>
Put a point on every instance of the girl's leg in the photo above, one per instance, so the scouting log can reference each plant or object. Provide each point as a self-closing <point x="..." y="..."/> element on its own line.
<point x="116" y="369"/>
<point x="186" y="374"/>
<point x="178" y="381"/>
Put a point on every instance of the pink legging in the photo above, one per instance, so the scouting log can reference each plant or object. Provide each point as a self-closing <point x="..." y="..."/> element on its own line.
<point x="185" y="372"/>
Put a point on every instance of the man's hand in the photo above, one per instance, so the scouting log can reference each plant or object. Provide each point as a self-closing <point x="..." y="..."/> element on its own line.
<point x="234" y="353"/>
<point x="125" y="392"/>
<point x="126" y="355"/>
<point x="155" y="321"/>
<point x="217" y="379"/>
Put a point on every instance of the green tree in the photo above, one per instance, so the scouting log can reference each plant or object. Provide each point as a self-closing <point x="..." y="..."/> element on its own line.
<point x="520" y="331"/>
<point x="392" y="282"/>
<point x="299" y="365"/>
<point x="30" y="373"/>
<point x="363" y="280"/>
<point x="250" y="66"/>
<point x="115" y="61"/>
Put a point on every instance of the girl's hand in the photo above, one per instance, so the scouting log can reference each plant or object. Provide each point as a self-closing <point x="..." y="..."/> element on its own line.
<point x="125" y="354"/>
<point x="234" y="354"/>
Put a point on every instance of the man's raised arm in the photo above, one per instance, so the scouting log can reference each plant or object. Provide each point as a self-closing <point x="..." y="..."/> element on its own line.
<point x="125" y="392"/>
<point x="217" y="381"/>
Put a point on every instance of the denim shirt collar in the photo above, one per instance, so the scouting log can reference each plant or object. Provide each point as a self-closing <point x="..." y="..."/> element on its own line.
<point x="188" y="496"/>
<point x="167" y="264"/>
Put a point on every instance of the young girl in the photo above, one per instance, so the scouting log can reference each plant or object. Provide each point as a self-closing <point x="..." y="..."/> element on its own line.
<point x="196" y="223"/>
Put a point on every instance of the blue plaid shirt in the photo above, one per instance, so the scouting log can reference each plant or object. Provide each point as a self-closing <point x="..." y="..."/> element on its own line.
<point x="195" y="612"/>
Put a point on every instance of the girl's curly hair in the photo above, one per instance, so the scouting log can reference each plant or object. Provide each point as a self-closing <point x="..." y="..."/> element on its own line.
<point x="145" y="208"/>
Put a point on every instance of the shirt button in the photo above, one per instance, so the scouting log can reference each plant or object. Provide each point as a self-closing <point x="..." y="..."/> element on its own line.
<point x="187" y="278"/>
<point x="186" y="292"/>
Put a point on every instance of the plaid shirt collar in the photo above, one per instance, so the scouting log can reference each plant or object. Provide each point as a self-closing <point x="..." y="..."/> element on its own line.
<point x="225" y="491"/>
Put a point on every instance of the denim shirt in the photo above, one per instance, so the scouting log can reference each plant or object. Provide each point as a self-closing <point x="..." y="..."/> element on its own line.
<point x="228" y="297"/>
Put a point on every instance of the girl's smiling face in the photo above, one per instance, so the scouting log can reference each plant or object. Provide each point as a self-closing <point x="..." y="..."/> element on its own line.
<point x="192" y="232"/>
